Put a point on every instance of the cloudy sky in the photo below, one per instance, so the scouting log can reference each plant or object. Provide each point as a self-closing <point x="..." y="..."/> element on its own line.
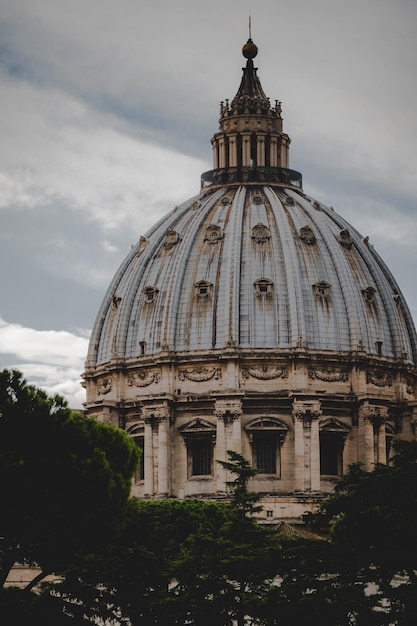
<point x="106" y="112"/>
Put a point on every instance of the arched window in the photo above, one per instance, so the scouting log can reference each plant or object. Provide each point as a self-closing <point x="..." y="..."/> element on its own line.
<point x="266" y="435"/>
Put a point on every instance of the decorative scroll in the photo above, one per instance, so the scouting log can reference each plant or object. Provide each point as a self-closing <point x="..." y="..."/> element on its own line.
<point x="265" y="373"/>
<point x="200" y="374"/>
<point x="329" y="375"/>
<point x="306" y="414"/>
<point x="104" y="386"/>
<point x="143" y="379"/>
<point x="380" y="380"/>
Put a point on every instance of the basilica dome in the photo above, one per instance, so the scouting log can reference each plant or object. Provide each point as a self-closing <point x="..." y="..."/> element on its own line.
<point x="252" y="317"/>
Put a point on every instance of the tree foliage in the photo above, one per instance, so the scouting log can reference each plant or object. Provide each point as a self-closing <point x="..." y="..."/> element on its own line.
<point x="63" y="477"/>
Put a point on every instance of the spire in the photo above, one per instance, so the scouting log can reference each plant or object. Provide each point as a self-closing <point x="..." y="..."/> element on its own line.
<point x="250" y="97"/>
<point x="250" y="145"/>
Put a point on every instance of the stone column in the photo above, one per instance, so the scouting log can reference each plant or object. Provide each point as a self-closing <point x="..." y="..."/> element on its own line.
<point x="260" y="148"/>
<point x="298" y="452"/>
<point x="306" y="445"/>
<point x="220" y="455"/>
<point x="222" y="152"/>
<point x="370" y="420"/>
<point x="163" y="459"/>
<point x="382" y="444"/>
<point x="273" y="152"/>
<point x="229" y="427"/>
<point x="148" y="458"/>
<point x="245" y="149"/>
<point x="315" y="453"/>
<point x="232" y="151"/>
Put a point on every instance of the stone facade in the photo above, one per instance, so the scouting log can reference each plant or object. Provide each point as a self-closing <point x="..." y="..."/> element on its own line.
<point x="253" y="318"/>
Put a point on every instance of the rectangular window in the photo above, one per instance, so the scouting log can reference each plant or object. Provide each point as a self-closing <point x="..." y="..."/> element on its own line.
<point x="202" y="453"/>
<point x="330" y="454"/>
<point x="266" y="455"/>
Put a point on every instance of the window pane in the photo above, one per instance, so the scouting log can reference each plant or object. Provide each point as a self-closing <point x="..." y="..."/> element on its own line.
<point x="266" y="455"/>
<point x="201" y="453"/>
<point x="330" y="454"/>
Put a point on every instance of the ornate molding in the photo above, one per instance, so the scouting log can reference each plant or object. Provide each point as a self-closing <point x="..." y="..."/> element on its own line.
<point x="143" y="379"/>
<point x="306" y="411"/>
<point x="228" y="411"/>
<point x="155" y="414"/>
<point x="265" y="373"/>
<point x="378" y="379"/>
<point x="104" y="386"/>
<point x="200" y="374"/>
<point x="329" y="374"/>
<point x="373" y="413"/>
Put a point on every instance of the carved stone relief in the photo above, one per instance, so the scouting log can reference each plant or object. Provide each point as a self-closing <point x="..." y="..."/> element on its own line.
<point x="378" y="379"/>
<point x="143" y="379"/>
<point x="213" y="234"/>
<point x="200" y="374"/>
<point x="104" y="386"/>
<point x="265" y="373"/>
<point x="329" y="374"/>
<point x="260" y="233"/>
<point x="345" y="238"/>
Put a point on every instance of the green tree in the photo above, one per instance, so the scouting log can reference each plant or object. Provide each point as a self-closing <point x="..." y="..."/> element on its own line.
<point x="372" y="523"/>
<point x="63" y="478"/>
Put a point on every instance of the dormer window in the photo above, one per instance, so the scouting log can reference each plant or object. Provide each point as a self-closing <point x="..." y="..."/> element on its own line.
<point x="171" y="239"/>
<point x="260" y="233"/>
<point x="213" y="234"/>
<point x="322" y="289"/>
<point x="369" y="294"/>
<point x="150" y="294"/>
<point x="307" y="235"/>
<point x="263" y="288"/>
<point x="345" y="238"/>
<point x="203" y="289"/>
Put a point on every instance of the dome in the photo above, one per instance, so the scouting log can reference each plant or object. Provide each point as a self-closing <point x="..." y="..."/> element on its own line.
<point x="253" y="267"/>
<point x="253" y="318"/>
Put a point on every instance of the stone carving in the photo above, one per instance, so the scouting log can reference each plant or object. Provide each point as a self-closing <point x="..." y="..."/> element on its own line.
<point x="289" y="201"/>
<point x="196" y="205"/>
<point x="228" y="410"/>
<point x="260" y="233"/>
<point x="257" y="200"/>
<point x="171" y="239"/>
<point x="115" y="301"/>
<point x="378" y="379"/>
<point x="329" y="374"/>
<point x="307" y="235"/>
<point x="409" y="383"/>
<point x="263" y="288"/>
<point x="322" y="289"/>
<point x="306" y="414"/>
<point x="372" y="413"/>
<point x="143" y="379"/>
<point x="155" y="414"/>
<point x="226" y="200"/>
<point x="104" y="386"/>
<point x="265" y="373"/>
<point x="200" y="374"/>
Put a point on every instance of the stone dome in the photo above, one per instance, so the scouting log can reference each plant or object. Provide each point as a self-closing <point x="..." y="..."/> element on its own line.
<point x="253" y="318"/>
<point x="252" y="267"/>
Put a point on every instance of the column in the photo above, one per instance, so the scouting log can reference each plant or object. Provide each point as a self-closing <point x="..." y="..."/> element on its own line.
<point x="232" y="151"/>
<point x="273" y="152"/>
<point x="148" y="458"/>
<point x="315" y="454"/>
<point x="260" y="149"/>
<point x="222" y="153"/>
<point x="299" y="452"/>
<point x="220" y="455"/>
<point x="245" y="149"/>
<point x="163" y="490"/>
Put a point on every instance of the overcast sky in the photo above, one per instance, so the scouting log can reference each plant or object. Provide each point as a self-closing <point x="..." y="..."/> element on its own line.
<point x="106" y="112"/>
